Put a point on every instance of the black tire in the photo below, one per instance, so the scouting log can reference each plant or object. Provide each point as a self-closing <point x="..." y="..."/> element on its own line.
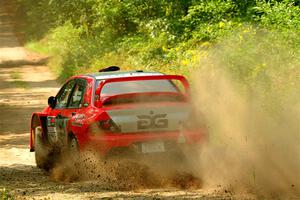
<point x="42" y="152"/>
<point x="73" y="149"/>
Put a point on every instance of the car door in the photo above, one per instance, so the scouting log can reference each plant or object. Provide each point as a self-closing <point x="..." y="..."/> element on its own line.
<point x="56" y="122"/>
<point x="70" y="116"/>
<point x="77" y="107"/>
<point x="70" y="99"/>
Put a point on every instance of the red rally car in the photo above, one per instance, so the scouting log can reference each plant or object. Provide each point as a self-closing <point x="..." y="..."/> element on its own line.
<point x="112" y="111"/>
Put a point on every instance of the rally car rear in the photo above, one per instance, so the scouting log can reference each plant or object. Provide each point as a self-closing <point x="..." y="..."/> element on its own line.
<point x="144" y="115"/>
<point x="113" y="113"/>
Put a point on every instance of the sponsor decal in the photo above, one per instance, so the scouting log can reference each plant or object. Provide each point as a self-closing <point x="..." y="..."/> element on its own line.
<point x="152" y="121"/>
<point x="78" y="118"/>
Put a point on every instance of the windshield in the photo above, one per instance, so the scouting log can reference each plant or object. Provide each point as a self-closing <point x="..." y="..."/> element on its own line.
<point x="126" y="87"/>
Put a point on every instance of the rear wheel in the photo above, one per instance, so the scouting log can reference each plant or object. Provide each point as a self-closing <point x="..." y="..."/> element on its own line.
<point x="42" y="151"/>
<point x="73" y="148"/>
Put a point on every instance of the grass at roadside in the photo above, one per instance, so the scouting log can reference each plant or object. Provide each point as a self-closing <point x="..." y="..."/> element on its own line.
<point x="20" y="84"/>
<point x="16" y="76"/>
<point x="5" y="195"/>
<point x="37" y="46"/>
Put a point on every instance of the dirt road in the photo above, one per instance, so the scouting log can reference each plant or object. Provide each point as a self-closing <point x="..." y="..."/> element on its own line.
<point x="24" y="87"/>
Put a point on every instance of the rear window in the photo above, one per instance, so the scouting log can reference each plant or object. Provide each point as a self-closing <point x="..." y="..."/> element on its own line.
<point x="126" y="87"/>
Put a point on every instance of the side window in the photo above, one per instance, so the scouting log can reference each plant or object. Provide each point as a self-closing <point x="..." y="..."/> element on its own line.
<point x="63" y="95"/>
<point x="78" y="94"/>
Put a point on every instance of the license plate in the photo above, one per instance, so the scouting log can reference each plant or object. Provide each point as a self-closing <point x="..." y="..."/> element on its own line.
<point x="152" y="147"/>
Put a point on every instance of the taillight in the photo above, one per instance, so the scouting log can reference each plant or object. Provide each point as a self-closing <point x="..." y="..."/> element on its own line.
<point x="109" y="125"/>
<point x="104" y="126"/>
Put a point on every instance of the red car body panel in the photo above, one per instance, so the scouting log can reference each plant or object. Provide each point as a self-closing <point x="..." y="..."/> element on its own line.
<point x="106" y="142"/>
<point x="80" y="121"/>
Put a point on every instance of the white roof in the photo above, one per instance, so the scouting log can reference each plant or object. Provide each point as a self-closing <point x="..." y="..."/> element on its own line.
<point x="108" y="75"/>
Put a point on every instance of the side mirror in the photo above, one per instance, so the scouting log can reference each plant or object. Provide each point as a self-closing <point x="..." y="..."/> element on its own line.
<point x="52" y="102"/>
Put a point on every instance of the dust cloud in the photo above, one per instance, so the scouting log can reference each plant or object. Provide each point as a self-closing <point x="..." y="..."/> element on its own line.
<point x="123" y="173"/>
<point x="124" y="169"/>
<point x="248" y="91"/>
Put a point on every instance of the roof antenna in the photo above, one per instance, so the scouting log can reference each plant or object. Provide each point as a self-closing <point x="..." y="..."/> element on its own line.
<point x="110" y="69"/>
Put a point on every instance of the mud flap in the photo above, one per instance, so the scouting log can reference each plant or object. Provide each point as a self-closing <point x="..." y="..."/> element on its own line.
<point x="57" y="130"/>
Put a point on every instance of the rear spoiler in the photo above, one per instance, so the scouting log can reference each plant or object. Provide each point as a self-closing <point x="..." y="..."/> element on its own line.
<point x="182" y="79"/>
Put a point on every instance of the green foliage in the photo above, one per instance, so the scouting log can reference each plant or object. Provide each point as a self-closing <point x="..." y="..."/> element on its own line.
<point x="72" y="51"/>
<point x="277" y="14"/>
<point x="264" y="64"/>
<point x="169" y="36"/>
<point x="210" y="12"/>
<point x="37" y="46"/>
<point x="4" y="195"/>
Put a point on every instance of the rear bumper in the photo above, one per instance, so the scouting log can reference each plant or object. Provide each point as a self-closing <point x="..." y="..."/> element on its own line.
<point x="106" y="142"/>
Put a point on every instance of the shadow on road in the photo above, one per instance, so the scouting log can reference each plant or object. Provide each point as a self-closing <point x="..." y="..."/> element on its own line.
<point x="20" y="63"/>
<point x="28" y="84"/>
<point x="5" y="30"/>
<point x="32" y="181"/>
<point x="16" y="119"/>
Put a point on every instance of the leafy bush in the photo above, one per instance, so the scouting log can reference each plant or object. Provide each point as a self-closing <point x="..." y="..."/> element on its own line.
<point x="152" y="35"/>
<point x="277" y="15"/>
<point x="263" y="64"/>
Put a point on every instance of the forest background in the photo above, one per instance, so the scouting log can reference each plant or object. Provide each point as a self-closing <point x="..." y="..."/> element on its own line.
<point x="255" y="42"/>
